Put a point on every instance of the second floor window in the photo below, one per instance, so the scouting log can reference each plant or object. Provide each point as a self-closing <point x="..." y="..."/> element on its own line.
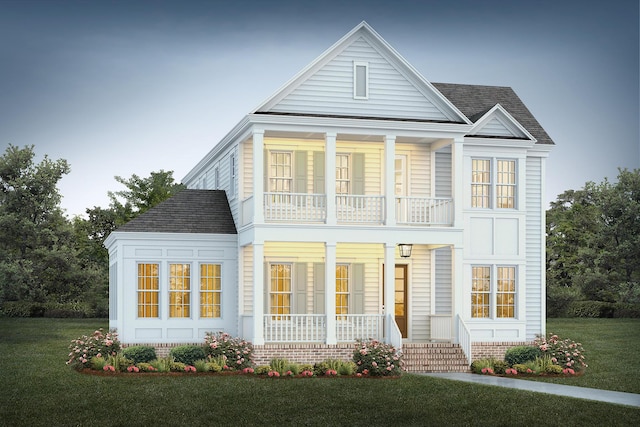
<point x="483" y="186"/>
<point x="506" y="185"/>
<point x="280" y="174"/>
<point x="342" y="174"/>
<point x="480" y="183"/>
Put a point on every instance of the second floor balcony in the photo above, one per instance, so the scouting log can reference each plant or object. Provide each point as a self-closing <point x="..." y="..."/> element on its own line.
<point x="349" y="209"/>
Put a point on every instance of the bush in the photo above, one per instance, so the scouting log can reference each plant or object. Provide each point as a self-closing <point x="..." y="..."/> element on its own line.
<point x="553" y="369"/>
<point x="521" y="354"/>
<point x="521" y="367"/>
<point x="239" y="353"/>
<point x="565" y="353"/>
<point x="591" y="309"/>
<point x="187" y="354"/>
<point x="139" y="353"/>
<point x="347" y="368"/>
<point x="377" y="359"/>
<point x="500" y="366"/>
<point x="559" y="298"/>
<point x="22" y="309"/>
<point x="478" y="365"/>
<point x="86" y="347"/>
<point x="625" y="310"/>
<point x="146" y="367"/>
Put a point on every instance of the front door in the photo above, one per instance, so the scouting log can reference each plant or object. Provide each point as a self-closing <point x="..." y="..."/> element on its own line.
<point x="400" y="297"/>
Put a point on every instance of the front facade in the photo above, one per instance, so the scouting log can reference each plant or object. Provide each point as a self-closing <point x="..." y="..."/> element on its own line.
<point x="355" y="161"/>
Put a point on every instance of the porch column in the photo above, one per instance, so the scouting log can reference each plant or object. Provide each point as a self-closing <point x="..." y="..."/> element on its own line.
<point x="330" y="177"/>
<point x="258" y="293"/>
<point x="389" y="283"/>
<point x="457" y="181"/>
<point x="390" y="179"/>
<point x="330" y="291"/>
<point x="258" y="176"/>
<point x="458" y="295"/>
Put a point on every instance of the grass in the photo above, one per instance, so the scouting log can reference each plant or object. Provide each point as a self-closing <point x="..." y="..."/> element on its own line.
<point x="39" y="389"/>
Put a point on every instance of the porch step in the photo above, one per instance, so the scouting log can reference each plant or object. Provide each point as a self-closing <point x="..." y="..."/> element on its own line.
<point x="434" y="357"/>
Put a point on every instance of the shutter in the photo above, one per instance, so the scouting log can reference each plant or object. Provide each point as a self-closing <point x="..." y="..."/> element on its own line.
<point x="357" y="294"/>
<point x="318" y="172"/>
<point x="318" y="288"/>
<point x="358" y="174"/>
<point x="300" y="172"/>
<point x="300" y="288"/>
<point x="266" y="285"/>
<point x="265" y="170"/>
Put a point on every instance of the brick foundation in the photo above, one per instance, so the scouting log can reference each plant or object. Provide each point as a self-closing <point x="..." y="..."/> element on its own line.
<point x="301" y="353"/>
<point x="496" y="350"/>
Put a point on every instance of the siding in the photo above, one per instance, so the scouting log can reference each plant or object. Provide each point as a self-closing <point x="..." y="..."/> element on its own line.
<point x="420" y="293"/>
<point x="495" y="127"/>
<point x="419" y="168"/>
<point x="443" y="288"/>
<point x="246" y="286"/>
<point x="443" y="172"/>
<point x="534" y="241"/>
<point x="330" y="90"/>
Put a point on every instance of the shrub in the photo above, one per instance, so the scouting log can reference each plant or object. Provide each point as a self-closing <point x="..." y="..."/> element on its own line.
<point x="347" y="368"/>
<point x="239" y="353"/>
<point x="521" y="368"/>
<point x="97" y="344"/>
<point x="97" y="363"/>
<point x="377" y="359"/>
<point x="500" y="366"/>
<point x="321" y="368"/>
<point x="213" y="367"/>
<point x="553" y="369"/>
<point x="626" y="310"/>
<point x="279" y="365"/>
<point x="565" y="353"/>
<point x="119" y="362"/>
<point x="146" y="367"/>
<point x="521" y="354"/>
<point x="162" y="364"/>
<point x="187" y="354"/>
<point x="178" y="366"/>
<point x="139" y="353"/>
<point x="479" y="364"/>
<point x="201" y="365"/>
<point x="263" y="370"/>
<point x="591" y="309"/>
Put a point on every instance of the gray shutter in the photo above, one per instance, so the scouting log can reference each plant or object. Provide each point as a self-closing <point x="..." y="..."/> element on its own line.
<point x="300" y="288"/>
<point x="358" y="174"/>
<point x="318" y="288"/>
<point x="300" y="172"/>
<point x="266" y="287"/>
<point x="318" y="172"/>
<point x="265" y="171"/>
<point x="357" y="294"/>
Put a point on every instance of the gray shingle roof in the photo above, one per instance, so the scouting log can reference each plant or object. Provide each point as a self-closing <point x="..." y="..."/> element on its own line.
<point x="189" y="211"/>
<point x="474" y="101"/>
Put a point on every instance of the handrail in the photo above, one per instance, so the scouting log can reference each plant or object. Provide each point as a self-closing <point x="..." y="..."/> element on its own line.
<point x="464" y="338"/>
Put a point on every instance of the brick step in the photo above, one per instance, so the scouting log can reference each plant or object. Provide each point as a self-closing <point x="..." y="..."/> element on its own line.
<point x="434" y="357"/>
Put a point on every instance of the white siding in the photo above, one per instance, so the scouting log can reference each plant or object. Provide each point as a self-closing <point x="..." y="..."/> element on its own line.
<point x="443" y="289"/>
<point x="443" y="172"/>
<point x="330" y="90"/>
<point x="246" y="169"/>
<point x="420" y="293"/>
<point x="246" y="287"/>
<point x="494" y="127"/>
<point x="534" y="240"/>
<point x="418" y="168"/>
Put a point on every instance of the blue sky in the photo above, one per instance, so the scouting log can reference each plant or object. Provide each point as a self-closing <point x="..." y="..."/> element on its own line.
<point x="130" y="87"/>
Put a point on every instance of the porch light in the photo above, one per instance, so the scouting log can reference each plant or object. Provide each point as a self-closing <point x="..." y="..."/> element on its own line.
<point x="405" y="249"/>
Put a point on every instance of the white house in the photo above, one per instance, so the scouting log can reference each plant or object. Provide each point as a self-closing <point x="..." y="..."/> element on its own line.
<point x="319" y="190"/>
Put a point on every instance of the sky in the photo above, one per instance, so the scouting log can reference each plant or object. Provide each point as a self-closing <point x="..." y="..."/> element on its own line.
<point x="129" y="87"/>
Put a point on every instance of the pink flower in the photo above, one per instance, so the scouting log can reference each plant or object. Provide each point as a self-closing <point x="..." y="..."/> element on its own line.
<point x="374" y="364"/>
<point x="189" y="368"/>
<point x="365" y="372"/>
<point x="248" y="370"/>
<point x="133" y="369"/>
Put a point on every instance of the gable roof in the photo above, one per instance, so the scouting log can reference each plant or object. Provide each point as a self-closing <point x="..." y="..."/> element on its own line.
<point x="324" y="87"/>
<point x="475" y="101"/>
<point x="189" y="211"/>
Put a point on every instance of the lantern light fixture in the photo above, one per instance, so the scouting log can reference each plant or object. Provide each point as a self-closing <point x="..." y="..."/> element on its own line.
<point x="405" y="249"/>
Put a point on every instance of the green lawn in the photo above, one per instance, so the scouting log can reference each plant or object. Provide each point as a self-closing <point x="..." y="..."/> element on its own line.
<point x="38" y="389"/>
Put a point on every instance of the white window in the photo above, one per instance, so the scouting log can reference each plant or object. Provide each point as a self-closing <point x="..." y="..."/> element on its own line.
<point x="343" y="175"/>
<point x="506" y="185"/>
<point x="342" y="289"/>
<point x="483" y="186"/>
<point x="360" y="80"/>
<point x="280" y="172"/>
<point x="493" y="295"/>
<point x="280" y="290"/>
<point x="179" y="290"/>
<point x="480" y="183"/>
<point x="210" y="290"/>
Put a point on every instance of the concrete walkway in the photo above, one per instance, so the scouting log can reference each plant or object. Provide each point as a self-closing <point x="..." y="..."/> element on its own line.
<point x="618" y="397"/>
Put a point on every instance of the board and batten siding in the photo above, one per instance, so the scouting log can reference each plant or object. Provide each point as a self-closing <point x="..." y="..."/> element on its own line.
<point x="330" y="90"/>
<point x="534" y="241"/>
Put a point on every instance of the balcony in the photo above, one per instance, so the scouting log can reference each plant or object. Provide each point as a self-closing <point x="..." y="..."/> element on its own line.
<point x="350" y="209"/>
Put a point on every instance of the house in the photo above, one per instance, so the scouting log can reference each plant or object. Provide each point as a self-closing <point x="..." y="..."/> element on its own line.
<point x="359" y="201"/>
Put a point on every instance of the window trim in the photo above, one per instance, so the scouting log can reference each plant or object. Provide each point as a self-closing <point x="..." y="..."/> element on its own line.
<point x="276" y="315"/>
<point x="349" y="179"/>
<point x="493" y="186"/>
<point x="513" y="186"/>
<point x="356" y="65"/>
<point x="488" y="185"/>
<point x="348" y="281"/>
<point x="271" y="177"/>
<point x="188" y="291"/>
<point x="203" y="292"/>
<point x="155" y="291"/>
<point x="493" y="293"/>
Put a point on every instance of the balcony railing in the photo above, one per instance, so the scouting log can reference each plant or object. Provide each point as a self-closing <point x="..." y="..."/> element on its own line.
<point x="424" y="211"/>
<point x="360" y="209"/>
<point x="313" y="327"/>
<point x="295" y="207"/>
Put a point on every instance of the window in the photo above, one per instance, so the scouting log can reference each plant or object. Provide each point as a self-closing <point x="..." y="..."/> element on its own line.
<point x="480" y="183"/>
<point x="179" y="290"/>
<point x="280" y="290"/>
<point x="360" y="80"/>
<point x="483" y="296"/>
<point x="232" y="176"/>
<point x="342" y="174"/>
<point x="506" y="185"/>
<point x="148" y="290"/>
<point x="506" y="292"/>
<point x="342" y="289"/>
<point x="480" y="291"/>
<point x="280" y="174"/>
<point x="210" y="290"/>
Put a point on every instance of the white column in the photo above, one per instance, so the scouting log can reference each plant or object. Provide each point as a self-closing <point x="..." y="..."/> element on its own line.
<point x="330" y="291"/>
<point x="258" y="176"/>
<point x="457" y="303"/>
<point x="457" y="181"/>
<point x="258" y="293"/>
<point x="330" y="177"/>
<point x="389" y="179"/>
<point x="389" y="288"/>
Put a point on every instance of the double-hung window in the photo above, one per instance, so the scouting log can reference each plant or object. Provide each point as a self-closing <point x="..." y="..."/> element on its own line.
<point x="210" y="290"/>
<point x="343" y="175"/>
<point x="148" y="289"/>
<point x="179" y="290"/>
<point x="342" y="289"/>
<point x="280" y="290"/>
<point x="493" y="292"/>
<point x="483" y="186"/>
<point x="281" y="172"/>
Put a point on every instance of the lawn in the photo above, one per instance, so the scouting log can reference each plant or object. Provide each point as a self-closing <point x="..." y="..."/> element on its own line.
<point x="38" y="389"/>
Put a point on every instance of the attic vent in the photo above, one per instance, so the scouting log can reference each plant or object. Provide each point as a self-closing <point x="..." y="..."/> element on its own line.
<point x="360" y="80"/>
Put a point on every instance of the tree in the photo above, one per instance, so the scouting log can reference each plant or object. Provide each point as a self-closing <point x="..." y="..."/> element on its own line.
<point x="593" y="242"/>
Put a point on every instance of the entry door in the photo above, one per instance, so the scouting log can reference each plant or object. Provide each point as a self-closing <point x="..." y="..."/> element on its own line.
<point x="400" y="297"/>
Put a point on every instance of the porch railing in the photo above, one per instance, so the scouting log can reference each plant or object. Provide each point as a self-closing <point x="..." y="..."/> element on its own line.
<point x="295" y="328"/>
<point x="424" y="211"/>
<point x="351" y="327"/>
<point x="393" y="333"/>
<point x="440" y="327"/>
<point x="360" y="209"/>
<point x="464" y="338"/>
<point x="295" y="207"/>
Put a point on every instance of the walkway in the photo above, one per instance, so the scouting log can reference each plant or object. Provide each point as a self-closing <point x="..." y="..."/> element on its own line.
<point x="618" y="397"/>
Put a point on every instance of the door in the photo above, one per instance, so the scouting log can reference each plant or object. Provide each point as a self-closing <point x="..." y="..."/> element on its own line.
<point x="400" y="297"/>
